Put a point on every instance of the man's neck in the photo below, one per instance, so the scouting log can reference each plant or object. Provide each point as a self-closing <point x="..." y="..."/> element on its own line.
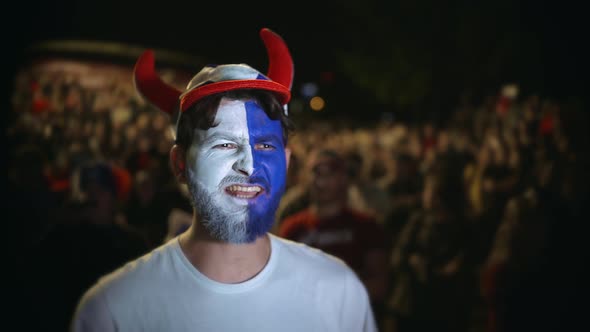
<point x="221" y="261"/>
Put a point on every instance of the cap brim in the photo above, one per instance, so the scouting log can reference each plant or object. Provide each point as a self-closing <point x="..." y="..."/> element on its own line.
<point x="191" y="97"/>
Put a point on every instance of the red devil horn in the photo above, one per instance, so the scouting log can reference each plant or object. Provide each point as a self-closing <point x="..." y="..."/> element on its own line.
<point x="280" y="63"/>
<point x="151" y="87"/>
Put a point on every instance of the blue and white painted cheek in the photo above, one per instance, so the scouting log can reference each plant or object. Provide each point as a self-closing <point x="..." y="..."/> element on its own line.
<point x="270" y="167"/>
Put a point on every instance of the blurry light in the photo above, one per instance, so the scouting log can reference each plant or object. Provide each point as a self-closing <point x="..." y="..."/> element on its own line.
<point x="317" y="103"/>
<point x="510" y="91"/>
<point x="309" y="90"/>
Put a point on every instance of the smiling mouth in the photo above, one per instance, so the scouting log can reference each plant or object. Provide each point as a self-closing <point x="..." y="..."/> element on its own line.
<point x="245" y="192"/>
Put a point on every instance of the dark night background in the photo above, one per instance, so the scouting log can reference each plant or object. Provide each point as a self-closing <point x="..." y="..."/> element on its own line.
<point x="413" y="58"/>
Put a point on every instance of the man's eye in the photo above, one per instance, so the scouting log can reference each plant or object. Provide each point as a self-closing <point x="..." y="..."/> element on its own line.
<point x="225" y="146"/>
<point x="264" y="146"/>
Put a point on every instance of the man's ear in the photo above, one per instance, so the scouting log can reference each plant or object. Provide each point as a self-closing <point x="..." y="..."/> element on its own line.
<point x="178" y="163"/>
<point x="287" y="156"/>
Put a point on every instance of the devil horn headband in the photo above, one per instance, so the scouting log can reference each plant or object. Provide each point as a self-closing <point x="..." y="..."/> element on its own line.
<point x="210" y="80"/>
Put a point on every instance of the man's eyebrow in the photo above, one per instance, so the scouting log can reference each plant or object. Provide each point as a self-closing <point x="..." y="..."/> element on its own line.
<point x="269" y="137"/>
<point x="228" y="136"/>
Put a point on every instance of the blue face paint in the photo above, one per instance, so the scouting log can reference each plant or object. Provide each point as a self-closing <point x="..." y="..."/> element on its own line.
<point x="270" y="168"/>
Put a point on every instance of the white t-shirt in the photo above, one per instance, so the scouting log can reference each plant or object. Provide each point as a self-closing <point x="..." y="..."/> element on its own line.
<point x="300" y="289"/>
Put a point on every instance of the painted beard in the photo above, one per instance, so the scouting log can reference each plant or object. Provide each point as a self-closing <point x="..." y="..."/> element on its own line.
<point x="228" y="224"/>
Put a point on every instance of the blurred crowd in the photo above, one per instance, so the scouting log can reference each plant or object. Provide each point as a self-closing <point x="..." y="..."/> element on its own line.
<point x="478" y="213"/>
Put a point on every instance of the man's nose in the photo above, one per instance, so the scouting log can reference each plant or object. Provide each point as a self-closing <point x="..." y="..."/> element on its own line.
<point x="245" y="162"/>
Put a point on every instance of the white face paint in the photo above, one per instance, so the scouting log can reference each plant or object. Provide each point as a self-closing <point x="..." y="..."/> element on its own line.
<point x="215" y="151"/>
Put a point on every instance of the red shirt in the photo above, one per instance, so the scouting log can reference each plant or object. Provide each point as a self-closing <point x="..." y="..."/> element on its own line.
<point x="349" y="236"/>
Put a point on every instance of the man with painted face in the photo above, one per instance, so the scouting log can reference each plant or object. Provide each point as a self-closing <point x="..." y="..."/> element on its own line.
<point x="227" y="272"/>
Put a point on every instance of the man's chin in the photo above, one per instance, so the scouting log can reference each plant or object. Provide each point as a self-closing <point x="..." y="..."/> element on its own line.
<point x="244" y="239"/>
<point x="238" y="236"/>
<point x="250" y="238"/>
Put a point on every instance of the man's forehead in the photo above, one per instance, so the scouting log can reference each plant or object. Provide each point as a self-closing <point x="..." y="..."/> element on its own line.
<point x="232" y="120"/>
<point x="230" y="110"/>
<point x="230" y="117"/>
<point x="229" y="122"/>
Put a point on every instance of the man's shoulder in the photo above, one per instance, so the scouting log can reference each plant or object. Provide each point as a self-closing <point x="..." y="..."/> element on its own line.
<point x="303" y="257"/>
<point x="312" y="270"/>
<point x="132" y="276"/>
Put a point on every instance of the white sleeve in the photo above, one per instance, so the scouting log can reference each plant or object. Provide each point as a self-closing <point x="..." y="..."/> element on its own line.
<point x="93" y="314"/>
<point x="370" y="324"/>
<point x="357" y="312"/>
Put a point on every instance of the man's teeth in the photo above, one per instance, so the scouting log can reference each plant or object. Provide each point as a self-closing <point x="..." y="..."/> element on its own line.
<point x="244" y="189"/>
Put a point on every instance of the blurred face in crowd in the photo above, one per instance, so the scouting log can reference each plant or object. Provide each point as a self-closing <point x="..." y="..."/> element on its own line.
<point x="237" y="172"/>
<point x="484" y="156"/>
<point x="443" y="141"/>
<point x="101" y="204"/>
<point x="329" y="180"/>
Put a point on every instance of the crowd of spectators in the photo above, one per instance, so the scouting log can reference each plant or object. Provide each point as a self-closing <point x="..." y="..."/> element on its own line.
<point x="479" y="211"/>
